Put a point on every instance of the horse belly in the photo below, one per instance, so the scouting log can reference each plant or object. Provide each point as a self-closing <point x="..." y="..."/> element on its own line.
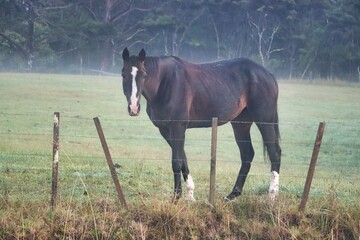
<point x="224" y="108"/>
<point x="163" y="115"/>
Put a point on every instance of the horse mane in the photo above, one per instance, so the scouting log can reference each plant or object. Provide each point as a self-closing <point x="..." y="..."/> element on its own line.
<point x="152" y="63"/>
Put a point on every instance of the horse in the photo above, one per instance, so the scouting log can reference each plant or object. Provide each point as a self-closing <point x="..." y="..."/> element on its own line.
<point x="182" y="95"/>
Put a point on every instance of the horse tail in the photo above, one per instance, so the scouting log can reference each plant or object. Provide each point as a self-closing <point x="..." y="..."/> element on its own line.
<point x="275" y="124"/>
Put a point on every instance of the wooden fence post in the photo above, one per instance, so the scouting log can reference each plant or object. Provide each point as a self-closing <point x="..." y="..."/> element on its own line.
<point x="312" y="165"/>
<point x="55" y="160"/>
<point x="118" y="188"/>
<point x="213" y="160"/>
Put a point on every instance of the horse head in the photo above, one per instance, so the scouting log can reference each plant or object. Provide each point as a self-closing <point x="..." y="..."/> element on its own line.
<point x="133" y="75"/>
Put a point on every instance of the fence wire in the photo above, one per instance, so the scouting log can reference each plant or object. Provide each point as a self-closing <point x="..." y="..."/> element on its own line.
<point x="78" y="137"/>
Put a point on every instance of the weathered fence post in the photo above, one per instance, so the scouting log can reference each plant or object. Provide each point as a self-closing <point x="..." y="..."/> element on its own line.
<point x="213" y="160"/>
<point x="312" y="165"/>
<point x="118" y="188"/>
<point x="55" y="160"/>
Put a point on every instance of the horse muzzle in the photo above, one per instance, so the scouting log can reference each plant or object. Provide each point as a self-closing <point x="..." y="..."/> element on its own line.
<point x="134" y="110"/>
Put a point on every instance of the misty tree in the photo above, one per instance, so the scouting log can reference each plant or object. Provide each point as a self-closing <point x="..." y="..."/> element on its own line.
<point x="173" y="21"/>
<point x="263" y="36"/>
<point x="19" y="42"/>
<point x="302" y="39"/>
<point x="116" y="13"/>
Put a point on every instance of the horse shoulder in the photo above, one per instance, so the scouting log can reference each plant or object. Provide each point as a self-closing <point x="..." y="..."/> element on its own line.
<point x="171" y="96"/>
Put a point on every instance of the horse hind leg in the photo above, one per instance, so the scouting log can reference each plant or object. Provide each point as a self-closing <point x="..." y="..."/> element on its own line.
<point x="270" y="137"/>
<point x="243" y="140"/>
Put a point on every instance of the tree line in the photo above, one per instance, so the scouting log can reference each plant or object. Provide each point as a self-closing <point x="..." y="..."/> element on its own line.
<point x="301" y="39"/>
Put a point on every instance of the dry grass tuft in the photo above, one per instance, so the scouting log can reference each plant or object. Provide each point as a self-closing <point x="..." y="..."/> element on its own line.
<point x="250" y="217"/>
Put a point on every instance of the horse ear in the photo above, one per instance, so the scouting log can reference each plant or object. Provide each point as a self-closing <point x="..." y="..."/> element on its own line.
<point x="142" y="55"/>
<point x="126" y="55"/>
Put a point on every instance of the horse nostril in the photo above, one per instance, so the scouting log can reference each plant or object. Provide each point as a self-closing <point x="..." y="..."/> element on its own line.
<point x="134" y="111"/>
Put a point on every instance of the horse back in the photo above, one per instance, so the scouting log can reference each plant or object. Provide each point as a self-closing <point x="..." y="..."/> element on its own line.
<point x="220" y="89"/>
<point x="226" y="88"/>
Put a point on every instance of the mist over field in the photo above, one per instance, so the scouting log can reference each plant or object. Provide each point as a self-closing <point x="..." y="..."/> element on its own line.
<point x="293" y="39"/>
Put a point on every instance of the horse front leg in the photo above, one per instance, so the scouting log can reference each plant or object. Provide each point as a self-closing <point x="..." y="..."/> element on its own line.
<point x="190" y="185"/>
<point x="179" y="162"/>
<point x="176" y="166"/>
<point x="175" y="137"/>
<point x="177" y="140"/>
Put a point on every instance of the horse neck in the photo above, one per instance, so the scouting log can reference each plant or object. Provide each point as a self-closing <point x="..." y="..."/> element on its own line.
<point x="152" y="82"/>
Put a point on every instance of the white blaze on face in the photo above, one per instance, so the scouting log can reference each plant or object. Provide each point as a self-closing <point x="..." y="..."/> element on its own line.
<point x="133" y="97"/>
<point x="274" y="185"/>
<point x="190" y="186"/>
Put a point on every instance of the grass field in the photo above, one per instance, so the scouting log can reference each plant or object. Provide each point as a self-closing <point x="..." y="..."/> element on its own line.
<point x="87" y="201"/>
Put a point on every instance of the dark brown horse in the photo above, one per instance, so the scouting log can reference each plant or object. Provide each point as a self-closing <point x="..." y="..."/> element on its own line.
<point x="183" y="95"/>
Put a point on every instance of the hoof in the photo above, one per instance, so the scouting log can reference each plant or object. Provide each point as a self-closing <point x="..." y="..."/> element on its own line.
<point x="227" y="199"/>
<point x="274" y="186"/>
<point x="273" y="196"/>
<point x="231" y="197"/>
<point x="190" y="199"/>
<point x="176" y="197"/>
<point x="190" y="186"/>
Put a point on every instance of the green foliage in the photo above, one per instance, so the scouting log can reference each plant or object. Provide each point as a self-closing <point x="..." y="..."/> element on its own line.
<point x="159" y="21"/>
<point x="314" y="38"/>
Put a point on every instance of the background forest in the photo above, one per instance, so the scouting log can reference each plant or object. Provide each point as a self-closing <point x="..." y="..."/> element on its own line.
<point x="302" y="39"/>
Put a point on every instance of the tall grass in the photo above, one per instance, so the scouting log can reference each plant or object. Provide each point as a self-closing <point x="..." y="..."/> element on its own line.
<point x="87" y="202"/>
<point x="250" y="217"/>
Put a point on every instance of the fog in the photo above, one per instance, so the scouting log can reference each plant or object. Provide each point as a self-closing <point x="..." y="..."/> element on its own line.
<point x="293" y="39"/>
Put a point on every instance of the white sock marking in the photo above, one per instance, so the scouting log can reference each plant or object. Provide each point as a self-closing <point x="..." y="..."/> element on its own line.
<point x="274" y="185"/>
<point x="133" y="98"/>
<point x="190" y="186"/>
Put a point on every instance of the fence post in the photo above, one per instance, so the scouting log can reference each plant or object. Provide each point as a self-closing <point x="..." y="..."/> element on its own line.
<point x="312" y="165"/>
<point x="55" y="160"/>
<point x="118" y="188"/>
<point x="213" y="160"/>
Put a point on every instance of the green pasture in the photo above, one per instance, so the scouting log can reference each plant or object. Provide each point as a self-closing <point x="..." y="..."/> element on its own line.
<point x="86" y="194"/>
<point x="28" y="101"/>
